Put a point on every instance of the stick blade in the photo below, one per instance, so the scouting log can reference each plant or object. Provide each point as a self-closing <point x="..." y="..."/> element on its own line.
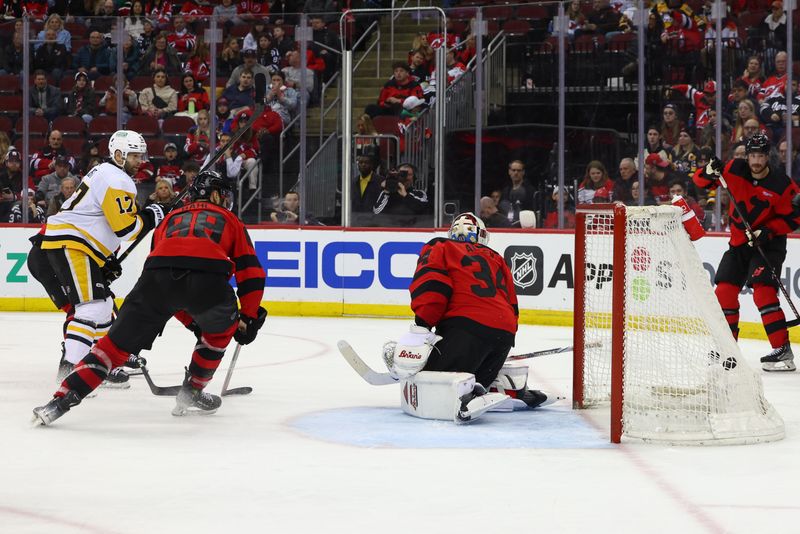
<point x="360" y="367"/>
<point x="244" y="390"/>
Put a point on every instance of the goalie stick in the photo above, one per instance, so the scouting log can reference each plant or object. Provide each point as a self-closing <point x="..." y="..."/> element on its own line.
<point x="359" y="366"/>
<point x="261" y="90"/>
<point x="547" y="352"/>
<point x="381" y="379"/>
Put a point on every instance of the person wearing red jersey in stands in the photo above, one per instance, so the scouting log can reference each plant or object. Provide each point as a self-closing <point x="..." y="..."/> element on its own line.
<point x="395" y="91"/>
<point x="596" y="185"/>
<point x="195" y="252"/>
<point x="766" y="198"/>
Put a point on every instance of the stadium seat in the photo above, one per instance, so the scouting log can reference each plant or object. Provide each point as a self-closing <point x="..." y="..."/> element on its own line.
<point x="5" y="124"/>
<point x="386" y="124"/>
<point x="10" y="83"/>
<point x="140" y="82"/>
<point x="517" y="28"/>
<point x="66" y="84"/>
<point x="176" y="125"/>
<point x="103" y="126"/>
<point x="70" y="126"/>
<point x="461" y="13"/>
<point x="155" y="147"/>
<point x="102" y="145"/>
<point x="74" y="146"/>
<point x="621" y="42"/>
<point x="76" y="29"/>
<point x="36" y="125"/>
<point x="144" y="124"/>
<point x="102" y="83"/>
<point x="532" y="12"/>
<point x="500" y="13"/>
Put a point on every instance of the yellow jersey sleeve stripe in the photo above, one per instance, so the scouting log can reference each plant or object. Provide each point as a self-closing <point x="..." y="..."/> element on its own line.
<point x="119" y="208"/>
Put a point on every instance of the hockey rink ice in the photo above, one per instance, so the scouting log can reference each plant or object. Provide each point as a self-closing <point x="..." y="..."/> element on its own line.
<point x="314" y="449"/>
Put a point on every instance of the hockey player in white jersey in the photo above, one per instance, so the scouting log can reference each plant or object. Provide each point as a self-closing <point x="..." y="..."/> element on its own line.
<point x="73" y="256"/>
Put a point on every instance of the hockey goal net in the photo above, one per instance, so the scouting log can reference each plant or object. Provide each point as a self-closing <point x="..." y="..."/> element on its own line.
<point x="650" y="338"/>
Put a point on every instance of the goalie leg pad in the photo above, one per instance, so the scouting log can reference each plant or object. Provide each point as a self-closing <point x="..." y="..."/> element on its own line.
<point x="510" y="378"/>
<point x="446" y="396"/>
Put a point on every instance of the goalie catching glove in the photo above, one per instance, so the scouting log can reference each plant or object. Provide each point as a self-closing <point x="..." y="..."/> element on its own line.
<point x="247" y="332"/>
<point x="408" y="356"/>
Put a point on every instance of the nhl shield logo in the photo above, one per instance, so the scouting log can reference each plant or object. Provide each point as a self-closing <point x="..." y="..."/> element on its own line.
<point x="523" y="269"/>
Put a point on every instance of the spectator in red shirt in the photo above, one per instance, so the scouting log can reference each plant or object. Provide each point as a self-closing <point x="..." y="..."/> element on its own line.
<point x="192" y="98"/>
<point x="161" y="13"/>
<point x="181" y="39"/>
<point x="596" y="185"/>
<point x="773" y="85"/>
<point x="753" y="76"/>
<point x="395" y="91"/>
<point x="252" y="9"/>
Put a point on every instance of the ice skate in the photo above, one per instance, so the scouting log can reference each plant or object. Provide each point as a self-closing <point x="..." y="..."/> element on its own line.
<point x="475" y="404"/>
<point x="116" y="379"/>
<point x="58" y="406"/>
<point x="194" y="401"/>
<point x="535" y="398"/>
<point x="780" y="359"/>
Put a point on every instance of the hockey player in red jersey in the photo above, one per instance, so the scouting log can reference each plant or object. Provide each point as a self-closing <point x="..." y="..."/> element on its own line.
<point x="764" y="197"/>
<point x="195" y="252"/>
<point x="464" y="290"/>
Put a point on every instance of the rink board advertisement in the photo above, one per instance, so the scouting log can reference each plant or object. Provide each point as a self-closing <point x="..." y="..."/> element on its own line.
<point x="339" y="272"/>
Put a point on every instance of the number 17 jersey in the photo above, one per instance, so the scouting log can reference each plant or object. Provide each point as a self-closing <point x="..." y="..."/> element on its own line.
<point x="465" y="280"/>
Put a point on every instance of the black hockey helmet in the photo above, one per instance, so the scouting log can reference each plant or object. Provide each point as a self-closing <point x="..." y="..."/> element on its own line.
<point x="209" y="181"/>
<point x="757" y="143"/>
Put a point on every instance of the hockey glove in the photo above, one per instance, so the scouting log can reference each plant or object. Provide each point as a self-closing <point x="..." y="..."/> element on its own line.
<point x="758" y="237"/>
<point x="247" y="334"/>
<point x="112" y="269"/>
<point x="153" y="214"/>
<point x="713" y="168"/>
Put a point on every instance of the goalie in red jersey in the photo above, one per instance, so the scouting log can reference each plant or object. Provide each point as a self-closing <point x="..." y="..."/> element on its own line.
<point x="464" y="290"/>
<point x="764" y="197"/>
<point x="195" y="251"/>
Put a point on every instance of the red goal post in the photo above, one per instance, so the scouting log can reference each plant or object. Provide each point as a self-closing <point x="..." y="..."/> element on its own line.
<point x="650" y="340"/>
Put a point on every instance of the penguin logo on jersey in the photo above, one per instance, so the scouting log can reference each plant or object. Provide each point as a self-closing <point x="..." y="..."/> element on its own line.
<point x="526" y="265"/>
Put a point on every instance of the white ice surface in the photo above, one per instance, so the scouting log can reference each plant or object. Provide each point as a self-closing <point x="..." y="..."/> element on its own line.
<point x="315" y="449"/>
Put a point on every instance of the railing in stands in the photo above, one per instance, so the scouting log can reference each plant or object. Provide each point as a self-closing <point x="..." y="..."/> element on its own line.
<point x="255" y="195"/>
<point x="321" y="183"/>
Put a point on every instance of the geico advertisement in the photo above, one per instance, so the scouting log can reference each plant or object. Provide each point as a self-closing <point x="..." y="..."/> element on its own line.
<point x="376" y="267"/>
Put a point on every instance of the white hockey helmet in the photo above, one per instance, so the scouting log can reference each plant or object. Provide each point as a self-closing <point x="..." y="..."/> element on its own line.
<point x="127" y="142"/>
<point x="470" y="228"/>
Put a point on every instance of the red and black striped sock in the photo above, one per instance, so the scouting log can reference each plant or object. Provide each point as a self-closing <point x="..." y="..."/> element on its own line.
<point x="728" y="297"/>
<point x="772" y="316"/>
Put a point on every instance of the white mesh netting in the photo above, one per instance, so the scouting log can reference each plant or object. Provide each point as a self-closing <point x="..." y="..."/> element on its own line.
<point x="685" y="378"/>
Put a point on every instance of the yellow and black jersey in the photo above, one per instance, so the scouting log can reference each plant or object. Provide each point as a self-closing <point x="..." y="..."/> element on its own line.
<point x="98" y="216"/>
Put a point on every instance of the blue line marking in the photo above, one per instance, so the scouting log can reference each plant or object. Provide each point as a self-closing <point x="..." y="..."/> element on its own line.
<point x="547" y="428"/>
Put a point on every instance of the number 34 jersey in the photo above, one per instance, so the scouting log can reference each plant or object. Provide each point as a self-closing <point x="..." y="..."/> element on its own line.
<point x="99" y="215"/>
<point x="202" y="236"/>
<point x="459" y="279"/>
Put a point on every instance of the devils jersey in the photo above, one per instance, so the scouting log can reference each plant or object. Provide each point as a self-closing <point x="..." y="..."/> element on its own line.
<point x="205" y="237"/>
<point x="464" y="280"/>
<point x="766" y="203"/>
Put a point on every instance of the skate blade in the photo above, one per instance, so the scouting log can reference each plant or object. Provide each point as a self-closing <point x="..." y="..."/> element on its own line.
<point x="37" y="421"/>
<point x="779" y="367"/>
<point x="181" y="412"/>
<point x="133" y="372"/>
<point x="115" y="385"/>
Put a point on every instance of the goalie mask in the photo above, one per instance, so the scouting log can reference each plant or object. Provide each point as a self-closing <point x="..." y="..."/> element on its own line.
<point x="469" y="228"/>
<point x="208" y="182"/>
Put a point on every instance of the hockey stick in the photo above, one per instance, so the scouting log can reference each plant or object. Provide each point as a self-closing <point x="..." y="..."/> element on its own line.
<point x="244" y="390"/>
<point x="557" y="350"/>
<point x="261" y="90"/>
<point x="165" y="391"/>
<point x="359" y="366"/>
<point x="773" y="274"/>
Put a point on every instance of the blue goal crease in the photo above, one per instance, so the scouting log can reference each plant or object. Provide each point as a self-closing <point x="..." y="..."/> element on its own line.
<point x="389" y="427"/>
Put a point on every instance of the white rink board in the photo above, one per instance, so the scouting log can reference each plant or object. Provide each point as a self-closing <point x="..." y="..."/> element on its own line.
<point x="374" y="267"/>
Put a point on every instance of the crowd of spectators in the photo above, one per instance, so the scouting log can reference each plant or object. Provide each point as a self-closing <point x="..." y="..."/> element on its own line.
<point x="166" y="66"/>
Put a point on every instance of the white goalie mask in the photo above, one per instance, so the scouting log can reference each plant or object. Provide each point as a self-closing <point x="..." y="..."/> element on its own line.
<point x="470" y="228"/>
